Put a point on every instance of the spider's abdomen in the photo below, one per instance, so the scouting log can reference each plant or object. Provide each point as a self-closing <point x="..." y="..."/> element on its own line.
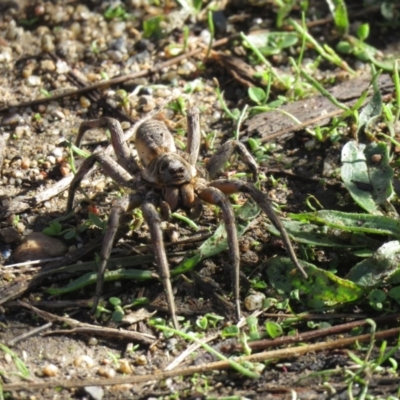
<point x="153" y="139"/>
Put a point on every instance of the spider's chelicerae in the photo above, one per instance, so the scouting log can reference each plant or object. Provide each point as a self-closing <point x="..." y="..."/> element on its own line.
<point x="170" y="180"/>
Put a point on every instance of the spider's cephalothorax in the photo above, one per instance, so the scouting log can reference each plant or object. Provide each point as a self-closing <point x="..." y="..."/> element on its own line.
<point x="166" y="177"/>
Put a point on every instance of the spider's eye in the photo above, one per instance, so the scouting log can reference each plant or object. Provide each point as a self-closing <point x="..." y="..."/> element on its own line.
<point x="178" y="170"/>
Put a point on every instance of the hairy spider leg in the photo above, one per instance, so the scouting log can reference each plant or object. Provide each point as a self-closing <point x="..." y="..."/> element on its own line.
<point x="217" y="161"/>
<point x="153" y="220"/>
<point x="121" y="149"/>
<point x="235" y="186"/>
<point x="120" y="208"/>
<point x="194" y="135"/>
<point x="214" y="195"/>
<point x="111" y="169"/>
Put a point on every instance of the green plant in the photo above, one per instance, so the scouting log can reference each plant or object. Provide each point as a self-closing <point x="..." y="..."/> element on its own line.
<point x="368" y="366"/>
<point x="152" y="27"/>
<point x="116" y="12"/>
<point x="55" y="228"/>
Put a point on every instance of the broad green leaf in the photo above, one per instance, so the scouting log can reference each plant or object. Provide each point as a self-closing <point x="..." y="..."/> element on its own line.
<point x="367" y="174"/>
<point x="152" y="27"/>
<point x="394" y="293"/>
<point x="53" y="229"/>
<point x="256" y="94"/>
<point x="321" y="289"/>
<point x="339" y="12"/>
<point x="353" y="222"/>
<point x="374" y="270"/>
<point x="372" y="110"/>
<point x="269" y="43"/>
<point x="363" y="31"/>
<point x="320" y="235"/>
<point x="109" y="276"/>
<point x="273" y="329"/>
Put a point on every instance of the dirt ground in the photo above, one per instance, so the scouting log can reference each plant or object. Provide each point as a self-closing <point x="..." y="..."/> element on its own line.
<point x="49" y="47"/>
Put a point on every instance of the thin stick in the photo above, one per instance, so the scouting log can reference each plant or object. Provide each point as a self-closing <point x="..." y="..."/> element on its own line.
<point x="218" y="365"/>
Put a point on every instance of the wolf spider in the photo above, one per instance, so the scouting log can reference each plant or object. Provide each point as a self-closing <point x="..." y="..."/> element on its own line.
<point x="169" y="179"/>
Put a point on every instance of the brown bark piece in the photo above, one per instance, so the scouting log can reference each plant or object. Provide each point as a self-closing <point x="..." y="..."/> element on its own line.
<point x="311" y="112"/>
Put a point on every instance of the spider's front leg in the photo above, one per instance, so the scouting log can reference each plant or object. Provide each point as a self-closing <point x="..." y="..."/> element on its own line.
<point x="215" y="196"/>
<point x="121" y="207"/>
<point x="121" y="149"/>
<point x="153" y="220"/>
<point x="236" y="186"/>
<point x="110" y="167"/>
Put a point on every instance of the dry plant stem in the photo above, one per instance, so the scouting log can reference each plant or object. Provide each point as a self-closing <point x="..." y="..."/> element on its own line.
<point x="191" y="349"/>
<point x="32" y="332"/>
<point x="304" y="337"/>
<point x="218" y="365"/>
<point x="13" y="289"/>
<point x="193" y="142"/>
<point x="89" y="329"/>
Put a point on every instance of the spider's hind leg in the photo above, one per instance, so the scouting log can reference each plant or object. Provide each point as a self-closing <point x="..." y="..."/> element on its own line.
<point x="121" y="207"/>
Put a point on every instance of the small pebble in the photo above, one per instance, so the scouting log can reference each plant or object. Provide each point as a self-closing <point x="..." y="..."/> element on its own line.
<point x="37" y="246"/>
<point x="20" y="227"/>
<point x="125" y="367"/>
<point x="57" y="152"/>
<point x="205" y="36"/>
<point x="6" y="253"/>
<point x="51" y="159"/>
<point x="62" y="67"/>
<point x="92" y="341"/>
<point x="33" y="80"/>
<point x="141" y="360"/>
<point x="12" y="119"/>
<point x="95" y="392"/>
<point x="50" y="370"/>
<point x="310" y="144"/>
<point x="65" y="169"/>
<point x="84" y="361"/>
<point x="47" y="44"/>
<point x="376" y="158"/>
<point x="106" y="372"/>
<point x="254" y="301"/>
<point x="25" y="163"/>
<point x="84" y="102"/>
<point x="10" y="235"/>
